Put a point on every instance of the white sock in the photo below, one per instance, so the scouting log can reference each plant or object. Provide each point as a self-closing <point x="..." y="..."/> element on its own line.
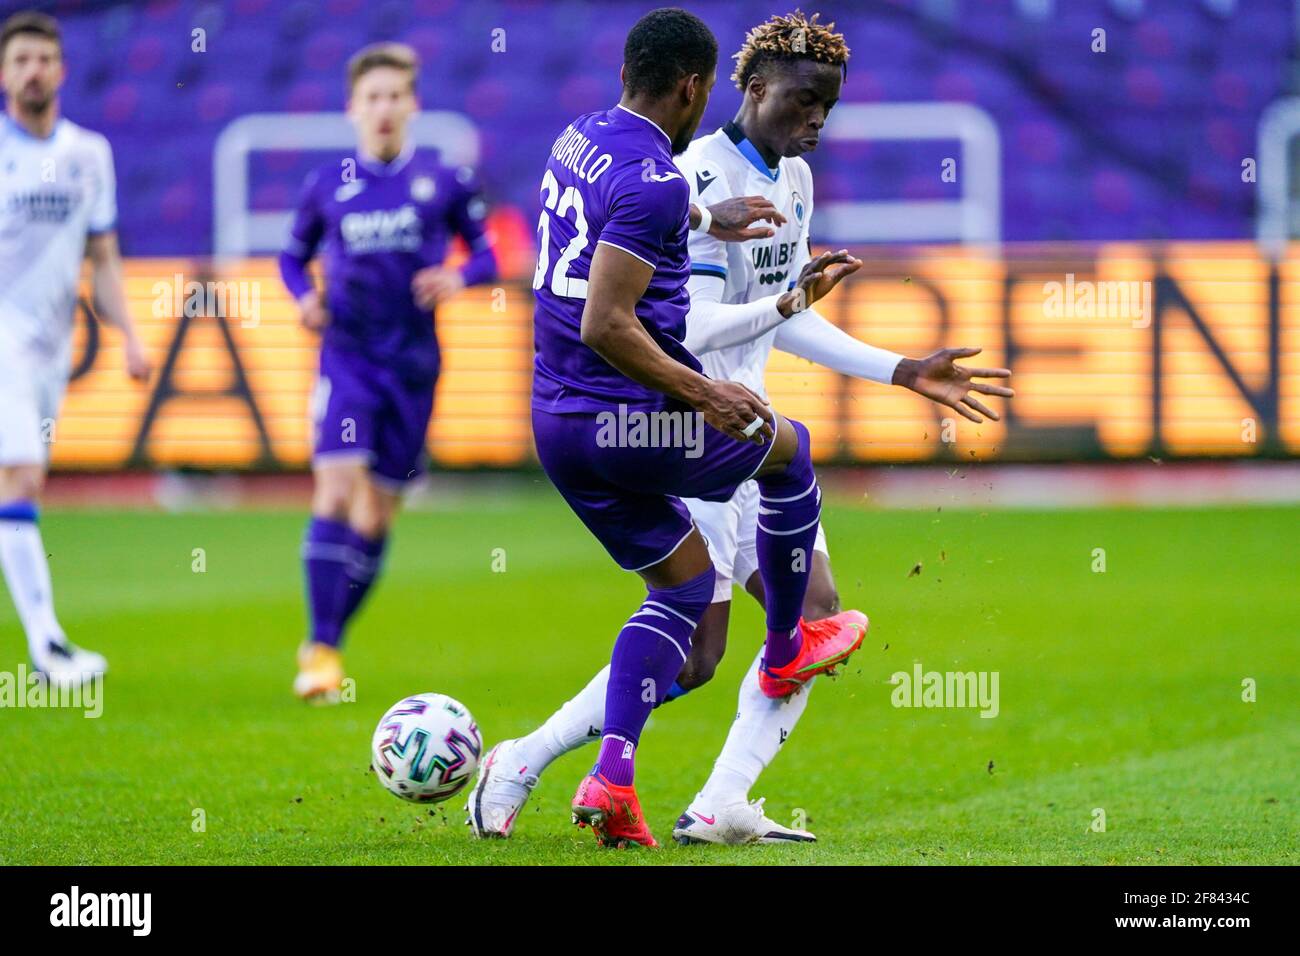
<point x="761" y="726"/>
<point x="576" y="723"/>
<point x="27" y="573"/>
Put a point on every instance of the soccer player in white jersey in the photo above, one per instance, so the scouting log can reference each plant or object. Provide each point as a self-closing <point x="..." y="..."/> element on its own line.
<point x="746" y="299"/>
<point x="57" y="206"/>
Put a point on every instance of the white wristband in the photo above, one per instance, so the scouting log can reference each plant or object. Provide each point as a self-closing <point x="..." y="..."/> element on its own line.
<point x="706" y="220"/>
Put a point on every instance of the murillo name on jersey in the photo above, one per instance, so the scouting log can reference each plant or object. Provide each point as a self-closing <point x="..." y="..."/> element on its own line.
<point x="577" y="153"/>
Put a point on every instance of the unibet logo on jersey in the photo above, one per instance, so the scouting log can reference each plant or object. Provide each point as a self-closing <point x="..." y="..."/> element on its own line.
<point x="50" y="206"/>
<point x="768" y="257"/>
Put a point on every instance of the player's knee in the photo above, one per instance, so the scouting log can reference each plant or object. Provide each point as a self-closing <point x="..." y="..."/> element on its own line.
<point x="694" y="596"/>
<point x="372" y="511"/>
<point x="21" y="484"/>
<point x="363" y="515"/>
<point x="802" y="457"/>
<point x="691" y="598"/>
<point x="333" y="500"/>
<point x="698" y="670"/>
<point x="369" y="523"/>
<point x="792" y="452"/>
<point x="793" y="466"/>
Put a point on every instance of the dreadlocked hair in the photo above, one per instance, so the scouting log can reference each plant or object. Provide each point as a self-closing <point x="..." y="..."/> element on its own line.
<point x="792" y="37"/>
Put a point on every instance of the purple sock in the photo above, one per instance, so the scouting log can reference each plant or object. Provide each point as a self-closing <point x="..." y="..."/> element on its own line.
<point x="648" y="654"/>
<point x="616" y="761"/>
<point x="326" y="552"/>
<point x="789" y="508"/>
<point x="361" y="571"/>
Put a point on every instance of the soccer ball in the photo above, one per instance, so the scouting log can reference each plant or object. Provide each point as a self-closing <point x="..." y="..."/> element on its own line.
<point x="426" y="748"/>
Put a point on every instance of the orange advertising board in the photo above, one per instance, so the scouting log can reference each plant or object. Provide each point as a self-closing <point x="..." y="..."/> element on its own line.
<point x="1119" y="351"/>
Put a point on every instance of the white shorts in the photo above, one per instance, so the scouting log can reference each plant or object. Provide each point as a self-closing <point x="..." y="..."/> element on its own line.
<point x="29" y="407"/>
<point x="729" y="529"/>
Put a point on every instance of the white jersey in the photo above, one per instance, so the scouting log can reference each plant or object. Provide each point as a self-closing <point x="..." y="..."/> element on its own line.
<point x="54" y="192"/>
<point x="720" y="166"/>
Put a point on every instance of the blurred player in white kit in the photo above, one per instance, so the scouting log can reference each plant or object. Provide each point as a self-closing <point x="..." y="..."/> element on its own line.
<point x="57" y="206"/>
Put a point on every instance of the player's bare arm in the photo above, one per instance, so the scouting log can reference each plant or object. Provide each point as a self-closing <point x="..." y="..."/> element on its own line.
<point x="939" y="378"/>
<point x="110" y="300"/>
<point x="733" y="219"/>
<point x="936" y="377"/>
<point x="714" y="325"/>
<point x="610" y="327"/>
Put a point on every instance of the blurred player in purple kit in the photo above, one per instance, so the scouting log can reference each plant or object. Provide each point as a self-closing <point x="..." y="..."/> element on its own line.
<point x="609" y="326"/>
<point x="382" y="221"/>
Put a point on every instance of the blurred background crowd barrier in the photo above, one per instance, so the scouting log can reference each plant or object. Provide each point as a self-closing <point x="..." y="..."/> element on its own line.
<point x="1099" y="192"/>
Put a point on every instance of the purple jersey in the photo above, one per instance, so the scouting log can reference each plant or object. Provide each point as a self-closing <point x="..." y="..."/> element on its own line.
<point x="375" y="230"/>
<point x="611" y="179"/>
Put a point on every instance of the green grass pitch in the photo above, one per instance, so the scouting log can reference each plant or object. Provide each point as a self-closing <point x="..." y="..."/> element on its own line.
<point x="1119" y="691"/>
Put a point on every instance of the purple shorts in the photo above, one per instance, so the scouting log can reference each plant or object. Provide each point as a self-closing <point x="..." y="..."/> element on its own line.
<point x="623" y="473"/>
<point x="365" y="410"/>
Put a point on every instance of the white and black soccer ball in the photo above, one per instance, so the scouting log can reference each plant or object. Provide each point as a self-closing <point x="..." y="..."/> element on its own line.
<point x="426" y="748"/>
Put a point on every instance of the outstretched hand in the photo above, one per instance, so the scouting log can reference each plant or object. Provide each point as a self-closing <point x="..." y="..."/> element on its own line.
<point x="732" y="218"/>
<point x="939" y="378"/>
<point x="817" y="278"/>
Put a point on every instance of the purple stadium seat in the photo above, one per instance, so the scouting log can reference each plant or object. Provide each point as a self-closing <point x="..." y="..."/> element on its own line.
<point x="1177" y="89"/>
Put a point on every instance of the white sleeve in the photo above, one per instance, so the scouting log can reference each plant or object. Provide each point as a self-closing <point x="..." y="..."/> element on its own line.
<point x="708" y="254"/>
<point x="712" y="325"/>
<point x="103" y="210"/>
<point x="810" y="335"/>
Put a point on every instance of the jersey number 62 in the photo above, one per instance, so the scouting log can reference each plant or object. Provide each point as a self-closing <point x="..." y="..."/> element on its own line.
<point x="562" y="284"/>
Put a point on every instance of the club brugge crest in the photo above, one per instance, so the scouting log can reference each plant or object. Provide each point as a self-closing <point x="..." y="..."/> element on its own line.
<point x="422" y="188"/>
<point x="799" y="208"/>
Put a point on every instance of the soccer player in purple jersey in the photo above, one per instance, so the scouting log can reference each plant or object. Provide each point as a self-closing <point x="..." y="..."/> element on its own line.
<point x="625" y="422"/>
<point x="790" y="69"/>
<point x="382" y="222"/>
